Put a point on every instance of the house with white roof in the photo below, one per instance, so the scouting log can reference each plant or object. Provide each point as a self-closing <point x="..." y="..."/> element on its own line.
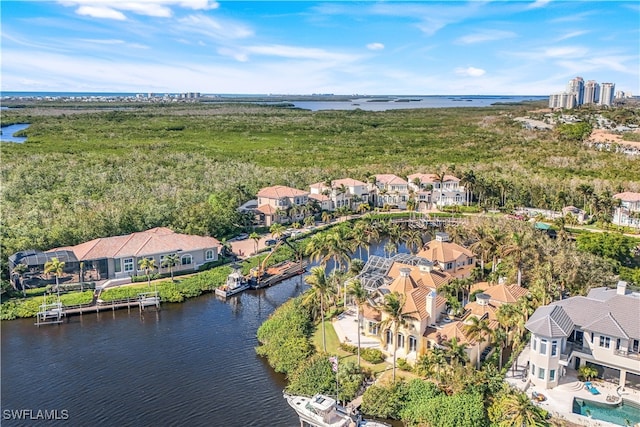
<point x="346" y="192"/>
<point x="628" y="213"/>
<point x="390" y="190"/>
<point x="601" y="330"/>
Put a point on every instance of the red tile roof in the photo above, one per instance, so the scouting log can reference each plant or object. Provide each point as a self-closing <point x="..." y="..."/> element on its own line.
<point x="151" y="242"/>
<point x="628" y="196"/>
<point x="280" y="191"/>
<point x="388" y="178"/>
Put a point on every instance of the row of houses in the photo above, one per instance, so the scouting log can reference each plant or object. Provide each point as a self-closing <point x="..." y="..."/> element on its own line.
<point x="627" y="214"/>
<point x="277" y="204"/>
<point x="600" y="330"/>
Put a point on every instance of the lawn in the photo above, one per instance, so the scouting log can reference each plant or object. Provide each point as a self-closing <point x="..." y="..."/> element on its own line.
<point x="333" y="347"/>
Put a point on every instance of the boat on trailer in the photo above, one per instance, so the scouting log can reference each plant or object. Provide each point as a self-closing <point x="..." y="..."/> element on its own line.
<point x="323" y="411"/>
<point x="235" y="284"/>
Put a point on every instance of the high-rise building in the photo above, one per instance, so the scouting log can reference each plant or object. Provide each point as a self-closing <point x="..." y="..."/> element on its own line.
<point x="607" y="90"/>
<point x="591" y="92"/>
<point x="576" y="86"/>
<point x="562" y="100"/>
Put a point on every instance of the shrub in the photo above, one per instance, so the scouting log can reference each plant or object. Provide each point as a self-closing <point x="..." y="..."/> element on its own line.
<point x="404" y="365"/>
<point x="349" y="348"/>
<point x="372" y="355"/>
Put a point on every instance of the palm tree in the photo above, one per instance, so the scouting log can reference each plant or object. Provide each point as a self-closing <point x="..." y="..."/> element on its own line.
<point x="516" y="248"/>
<point x="413" y="240"/>
<point x="360" y="295"/>
<point x="256" y="238"/>
<point x="518" y="411"/>
<point x="455" y="352"/>
<point x="320" y="289"/>
<point x="326" y="217"/>
<point x="56" y="267"/>
<point x="393" y="307"/>
<point x="169" y="262"/>
<point x="390" y="248"/>
<point x="277" y="230"/>
<point x="20" y="269"/>
<point x="148" y="265"/>
<point x="477" y="329"/>
<point x="440" y="178"/>
<point x="499" y="338"/>
<point x="359" y="236"/>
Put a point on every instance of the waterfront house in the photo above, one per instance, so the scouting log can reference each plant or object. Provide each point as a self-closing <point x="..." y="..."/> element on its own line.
<point x="500" y="294"/>
<point x="450" y="257"/>
<point x="428" y="190"/>
<point x="279" y="204"/>
<point x="118" y="256"/>
<point x="390" y="190"/>
<point x="601" y="330"/>
<point x="346" y="192"/>
<point x="628" y="213"/>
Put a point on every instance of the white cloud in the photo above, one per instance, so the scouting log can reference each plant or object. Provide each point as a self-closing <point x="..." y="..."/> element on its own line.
<point x="485" y="36"/>
<point x="470" y="72"/>
<point x="572" y="35"/>
<point x="113" y="9"/>
<point x="100" y="12"/>
<point x="375" y="46"/>
<point x="538" y="3"/>
<point x="218" y="29"/>
<point x="565" y="52"/>
<point x="298" y="52"/>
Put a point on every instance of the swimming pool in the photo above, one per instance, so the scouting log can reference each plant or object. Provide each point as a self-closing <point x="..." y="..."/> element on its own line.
<point x="626" y="413"/>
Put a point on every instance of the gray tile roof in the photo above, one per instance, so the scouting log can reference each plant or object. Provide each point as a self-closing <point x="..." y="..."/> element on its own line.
<point x="616" y="316"/>
<point x="550" y="321"/>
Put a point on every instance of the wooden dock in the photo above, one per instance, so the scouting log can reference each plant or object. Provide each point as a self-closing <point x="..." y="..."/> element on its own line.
<point x="56" y="314"/>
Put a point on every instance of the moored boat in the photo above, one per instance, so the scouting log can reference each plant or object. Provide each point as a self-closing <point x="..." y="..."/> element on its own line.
<point x="323" y="411"/>
<point x="236" y="283"/>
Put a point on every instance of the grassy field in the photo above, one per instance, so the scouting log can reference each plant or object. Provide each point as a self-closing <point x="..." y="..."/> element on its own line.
<point x="90" y="172"/>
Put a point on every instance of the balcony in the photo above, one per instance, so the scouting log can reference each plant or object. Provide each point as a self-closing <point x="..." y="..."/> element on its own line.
<point x="628" y="354"/>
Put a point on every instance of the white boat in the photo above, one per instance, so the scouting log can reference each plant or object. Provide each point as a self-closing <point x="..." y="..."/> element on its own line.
<point x="236" y="283"/>
<point x="323" y="411"/>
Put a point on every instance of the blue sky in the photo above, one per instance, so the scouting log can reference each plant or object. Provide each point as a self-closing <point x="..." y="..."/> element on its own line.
<point x="386" y="47"/>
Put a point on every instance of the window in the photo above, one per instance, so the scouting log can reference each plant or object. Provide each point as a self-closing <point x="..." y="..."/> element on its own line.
<point x="543" y="346"/>
<point x="535" y="344"/>
<point x="533" y="369"/>
<point x="128" y="264"/>
<point x="208" y="255"/>
<point x="389" y="336"/>
<point x="470" y="261"/>
<point x="541" y="373"/>
<point x="605" y="341"/>
<point x="618" y="344"/>
<point x="552" y="375"/>
<point x="554" y="348"/>
<point x="449" y="266"/>
<point x="117" y="266"/>
<point x="400" y="341"/>
<point x="373" y="328"/>
<point x="186" y="259"/>
<point x="413" y="343"/>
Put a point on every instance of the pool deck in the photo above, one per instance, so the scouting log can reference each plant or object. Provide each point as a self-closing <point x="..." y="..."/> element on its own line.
<point x="560" y="399"/>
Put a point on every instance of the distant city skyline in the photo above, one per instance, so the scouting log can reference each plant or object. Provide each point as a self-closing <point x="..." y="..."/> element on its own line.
<point x="369" y="48"/>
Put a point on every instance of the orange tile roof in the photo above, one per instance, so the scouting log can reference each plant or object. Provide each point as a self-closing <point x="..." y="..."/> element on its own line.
<point x="628" y="196"/>
<point x="443" y="252"/>
<point x="267" y="209"/>
<point x="145" y="243"/>
<point x="371" y="313"/>
<point x="448" y="332"/>
<point x="280" y="191"/>
<point x="388" y="178"/>
<point x="432" y="279"/>
<point x="431" y="177"/>
<point x="478" y="310"/>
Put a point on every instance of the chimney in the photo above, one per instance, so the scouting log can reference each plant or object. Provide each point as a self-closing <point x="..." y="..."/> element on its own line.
<point x="426" y="268"/>
<point x="431" y="305"/>
<point x="442" y="237"/>
<point x="621" y="289"/>
<point x="404" y="272"/>
<point x="483" y="299"/>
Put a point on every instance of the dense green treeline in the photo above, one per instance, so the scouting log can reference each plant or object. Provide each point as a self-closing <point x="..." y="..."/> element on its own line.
<point x="86" y="173"/>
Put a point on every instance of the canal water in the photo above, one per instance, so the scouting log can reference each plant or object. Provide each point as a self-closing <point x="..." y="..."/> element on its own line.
<point x="8" y="132"/>
<point x="188" y="364"/>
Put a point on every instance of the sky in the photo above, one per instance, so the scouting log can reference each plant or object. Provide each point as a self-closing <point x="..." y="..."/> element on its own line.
<point x="304" y="47"/>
